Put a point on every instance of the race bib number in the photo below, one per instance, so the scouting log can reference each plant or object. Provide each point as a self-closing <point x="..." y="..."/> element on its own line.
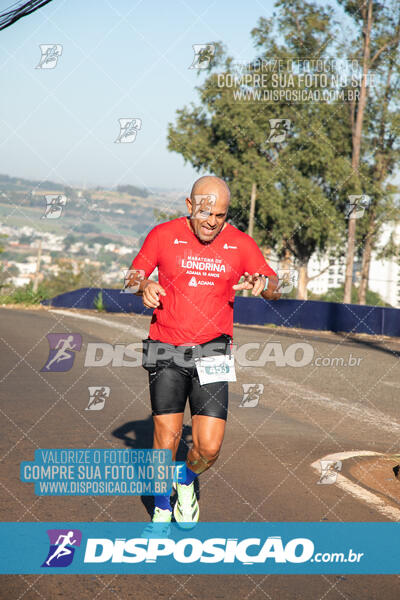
<point x="215" y="368"/>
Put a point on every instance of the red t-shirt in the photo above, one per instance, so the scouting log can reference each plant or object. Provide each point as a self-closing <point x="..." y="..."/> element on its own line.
<point x="197" y="279"/>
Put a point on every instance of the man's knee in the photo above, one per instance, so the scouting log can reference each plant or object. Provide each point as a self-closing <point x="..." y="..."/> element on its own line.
<point x="209" y="452"/>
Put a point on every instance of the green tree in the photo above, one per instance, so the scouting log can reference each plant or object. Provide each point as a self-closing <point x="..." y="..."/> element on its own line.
<point x="299" y="205"/>
<point x="375" y="45"/>
<point x="382" y="140"/>
<point x="336" y="295"/>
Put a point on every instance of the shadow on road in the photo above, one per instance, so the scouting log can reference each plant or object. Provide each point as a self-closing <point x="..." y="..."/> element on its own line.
<point x="139" y="434"/>
<point x="371" y="344"/>
<point x="336" y="338"/>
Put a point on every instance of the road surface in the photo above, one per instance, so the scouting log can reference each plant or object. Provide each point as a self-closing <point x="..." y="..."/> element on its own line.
<point x="264" y="471"/>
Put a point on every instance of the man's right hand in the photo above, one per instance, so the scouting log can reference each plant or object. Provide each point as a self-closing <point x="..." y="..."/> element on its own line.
<point x="152" y="290"/>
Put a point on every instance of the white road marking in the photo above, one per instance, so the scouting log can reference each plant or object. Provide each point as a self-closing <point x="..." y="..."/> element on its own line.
<point x="356" y="490"/>
<point x="140" y="333"/>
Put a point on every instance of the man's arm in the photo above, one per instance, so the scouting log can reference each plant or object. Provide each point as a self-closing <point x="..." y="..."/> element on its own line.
<point x="142" y="286"/>
<point x="257" y="271"/>
<point x="256" y="283"/>
<point x="147" y="288"/>
<point x="142" y="267"/>
<point x="272" y="292"/>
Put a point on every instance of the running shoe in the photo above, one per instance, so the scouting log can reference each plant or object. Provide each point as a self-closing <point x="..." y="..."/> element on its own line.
<point x="160" y="525"/>
<point x="186" y="509"/>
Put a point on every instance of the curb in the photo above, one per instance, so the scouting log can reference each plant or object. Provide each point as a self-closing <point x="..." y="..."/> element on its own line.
<point x="356" y="490"/>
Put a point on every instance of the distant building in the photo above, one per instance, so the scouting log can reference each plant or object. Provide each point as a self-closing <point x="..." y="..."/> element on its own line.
<point x="384" y="275"/>
<point x="332" y="276"/>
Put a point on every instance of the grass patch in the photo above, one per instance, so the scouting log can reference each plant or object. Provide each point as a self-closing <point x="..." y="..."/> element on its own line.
<point x="24" y="295"/>
<point x="98" y="302"/>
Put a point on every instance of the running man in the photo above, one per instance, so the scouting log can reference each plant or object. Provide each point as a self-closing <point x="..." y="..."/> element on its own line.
<point x="99" y="396"/>
<point x="62" y="549"/>
<point x="63" y="345"/>
<point x="200" y="259"/>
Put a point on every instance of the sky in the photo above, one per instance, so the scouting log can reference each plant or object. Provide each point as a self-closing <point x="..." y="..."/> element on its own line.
<point x="120" y="59"/>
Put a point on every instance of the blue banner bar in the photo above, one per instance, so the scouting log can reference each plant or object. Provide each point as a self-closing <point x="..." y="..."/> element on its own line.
<point x="213" y="548"/>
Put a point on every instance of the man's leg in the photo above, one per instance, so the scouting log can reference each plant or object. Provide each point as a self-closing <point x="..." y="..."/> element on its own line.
<point x="208" y="434"/>
<point x="169" y="388"/>
<point x="209" y="409"/>
<point x="167" y="434"/>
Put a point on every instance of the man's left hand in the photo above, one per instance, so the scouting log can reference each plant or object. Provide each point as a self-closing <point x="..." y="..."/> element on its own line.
<point x="256" y="284"/>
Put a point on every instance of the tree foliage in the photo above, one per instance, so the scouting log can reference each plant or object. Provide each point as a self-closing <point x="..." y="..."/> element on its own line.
<point x="303" y="182"/>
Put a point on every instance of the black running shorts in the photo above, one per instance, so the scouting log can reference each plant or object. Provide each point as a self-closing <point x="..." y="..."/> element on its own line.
<point x="174" y="379"/>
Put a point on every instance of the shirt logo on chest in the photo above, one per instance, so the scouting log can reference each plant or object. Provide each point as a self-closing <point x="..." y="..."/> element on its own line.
<point x="194" y="282"/>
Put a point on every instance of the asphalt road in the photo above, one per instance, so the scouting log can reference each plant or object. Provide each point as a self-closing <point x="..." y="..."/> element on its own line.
<point x="263" y="473"/>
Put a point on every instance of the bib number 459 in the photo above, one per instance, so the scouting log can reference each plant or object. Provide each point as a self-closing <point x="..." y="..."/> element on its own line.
<point x="215" y="368"/>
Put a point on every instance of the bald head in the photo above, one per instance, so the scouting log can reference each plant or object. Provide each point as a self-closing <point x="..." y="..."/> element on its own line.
<point x="209" y="184"/>
<point x="208" y="206"/>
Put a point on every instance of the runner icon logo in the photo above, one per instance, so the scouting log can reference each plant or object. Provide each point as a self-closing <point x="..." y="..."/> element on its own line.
<point x="62" y="351"/>
<point x="203" y="54"/>
<point x="132" y="280"/>
<point x="356" y="206"/>
<point x="288" y="279"/>
<point x="50" y="55"/>
<point x="329" y="471"/>
<point x="251" y="394"/>
<point x="203" y="205"/>
<point x="62" y="547"/>
<point x="193" y="282"/>
<point x="279" y="130"/>
<point x="128" y="130"/>
<point x="54" y="206"/>
<point x="97" y="397"/>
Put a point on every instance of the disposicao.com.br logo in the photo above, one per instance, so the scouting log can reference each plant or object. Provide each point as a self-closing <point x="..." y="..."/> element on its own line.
<point x="190" y="550"/>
